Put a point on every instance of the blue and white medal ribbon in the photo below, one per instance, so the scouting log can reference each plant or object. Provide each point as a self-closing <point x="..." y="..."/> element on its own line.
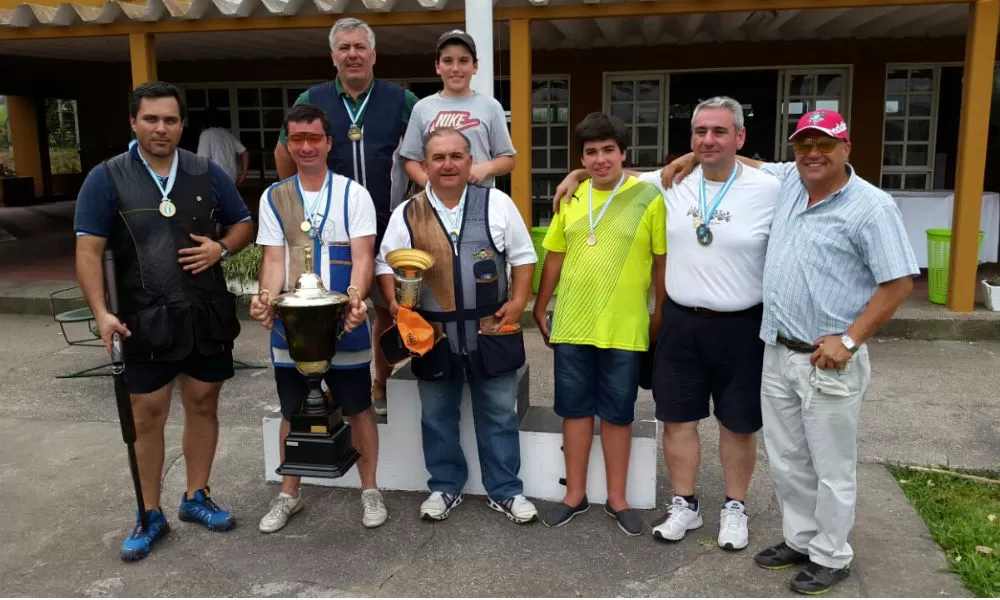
<point x="309" y="224"/>
<point x="702" y="229"/>
<point x="354" y="132"/>
<point x="167" y="208"/>
<point x="454" y="225"/>
<point x="592" y="238"/>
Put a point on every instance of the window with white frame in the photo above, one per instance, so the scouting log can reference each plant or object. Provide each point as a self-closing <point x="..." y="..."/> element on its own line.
<point x="638" y="100"/>
<point x="550" y="125"/>
<point x="805" y="90"/>
<point x="256" y="113"/>
<point x="909" y="130"/>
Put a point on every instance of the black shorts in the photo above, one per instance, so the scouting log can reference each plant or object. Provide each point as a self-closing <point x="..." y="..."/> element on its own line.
<point x="352" y="389"/>
<point x="145" y="376"/>
<point x="709" y="354"/>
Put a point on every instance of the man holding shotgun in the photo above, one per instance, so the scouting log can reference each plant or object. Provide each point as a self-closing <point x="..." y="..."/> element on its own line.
<point x="158" y="210"/>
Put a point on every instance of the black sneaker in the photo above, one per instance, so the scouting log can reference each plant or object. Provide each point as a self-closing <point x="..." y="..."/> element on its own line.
<point x="817" y="579"/>
<point x="629" y="521"/>
<point x="563" y="513"/>
<point x="780" y="557"/>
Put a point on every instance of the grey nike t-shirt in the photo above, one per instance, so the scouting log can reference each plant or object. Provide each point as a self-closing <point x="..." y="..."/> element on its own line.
<point x="479" y="117"/>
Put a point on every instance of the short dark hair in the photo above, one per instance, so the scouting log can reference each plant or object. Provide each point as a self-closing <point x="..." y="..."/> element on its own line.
<point x="445" y="132"/>
<point x="598" y="126"/>
<point x="307" y="113"/>
<point x="154" y="90"/>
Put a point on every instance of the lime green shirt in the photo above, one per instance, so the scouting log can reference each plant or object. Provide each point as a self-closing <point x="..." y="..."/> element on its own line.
<point x="604" y="289"/>
<point x="409" y="101"/>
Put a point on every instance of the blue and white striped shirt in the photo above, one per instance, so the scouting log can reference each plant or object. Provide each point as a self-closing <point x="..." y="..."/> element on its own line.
<point x="824" y="263"/>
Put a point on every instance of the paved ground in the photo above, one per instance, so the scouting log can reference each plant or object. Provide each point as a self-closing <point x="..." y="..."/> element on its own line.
<point x="66" y="499"/>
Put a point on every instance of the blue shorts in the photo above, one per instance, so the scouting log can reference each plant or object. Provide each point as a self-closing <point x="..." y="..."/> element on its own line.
<point x="596" y="381"/>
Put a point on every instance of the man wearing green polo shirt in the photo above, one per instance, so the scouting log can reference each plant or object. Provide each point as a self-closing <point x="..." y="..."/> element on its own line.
<point x="369" y="118"/>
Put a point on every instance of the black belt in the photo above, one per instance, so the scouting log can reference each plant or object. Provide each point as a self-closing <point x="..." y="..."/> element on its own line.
<point x="707" y="312"/>
<point x="797" y="346"/>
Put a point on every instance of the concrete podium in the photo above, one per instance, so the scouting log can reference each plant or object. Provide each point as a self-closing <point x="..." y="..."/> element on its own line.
<point x="401" y="461"/>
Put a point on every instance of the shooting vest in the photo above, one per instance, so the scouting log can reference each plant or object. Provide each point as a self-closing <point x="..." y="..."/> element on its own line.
<point x="332" y="262"/>
<point x="169" y="311"/>
<point x="369" y="161"/>
<point x="466" y="286"/>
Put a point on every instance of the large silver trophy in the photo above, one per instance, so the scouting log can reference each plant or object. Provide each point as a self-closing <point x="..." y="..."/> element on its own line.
<point x="319" y="443"/>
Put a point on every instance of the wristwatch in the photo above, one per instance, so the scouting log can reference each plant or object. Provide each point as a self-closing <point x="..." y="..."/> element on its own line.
<point x="848" y="343"/>
<point x="225" y="250"/>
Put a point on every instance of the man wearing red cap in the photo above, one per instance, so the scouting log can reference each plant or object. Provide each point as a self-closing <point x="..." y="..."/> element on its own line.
<point x="838" y="266"/>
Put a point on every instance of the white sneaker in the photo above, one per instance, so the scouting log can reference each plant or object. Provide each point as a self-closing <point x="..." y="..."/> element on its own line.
<point x="380" y="406"/>
<point x="283" y="507"/>
<point x="517" y="508"/>
<point x="437" y="506"/>
<point x="680" y="520"/>
<point x="375" y="513"/>
<point x="733" y="532"/>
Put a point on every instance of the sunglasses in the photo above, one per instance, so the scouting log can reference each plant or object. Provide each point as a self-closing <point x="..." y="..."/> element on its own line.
<point x="300" y="138"/>
<point x="825" y="145"/>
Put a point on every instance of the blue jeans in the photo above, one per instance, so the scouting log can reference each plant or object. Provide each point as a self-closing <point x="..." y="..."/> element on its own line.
<point x="494" y="411"/>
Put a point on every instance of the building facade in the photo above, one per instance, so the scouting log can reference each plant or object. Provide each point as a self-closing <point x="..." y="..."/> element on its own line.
<point x="915" y="79"/>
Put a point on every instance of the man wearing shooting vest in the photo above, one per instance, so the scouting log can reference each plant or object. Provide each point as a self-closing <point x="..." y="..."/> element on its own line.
<point x="473" y="233"/>
<point x="335" y="217"/>
<point x="369" y="117"/>
<point x="158" y="209"/>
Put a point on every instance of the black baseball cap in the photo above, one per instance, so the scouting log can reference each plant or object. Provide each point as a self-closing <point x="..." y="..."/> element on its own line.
<point x="460" y="37"/>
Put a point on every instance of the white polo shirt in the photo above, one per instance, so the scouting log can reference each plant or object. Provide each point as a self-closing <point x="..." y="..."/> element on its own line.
<point x="510" y="234"/>
<point x="360" y="214"/>
<point x="728" y="274"/>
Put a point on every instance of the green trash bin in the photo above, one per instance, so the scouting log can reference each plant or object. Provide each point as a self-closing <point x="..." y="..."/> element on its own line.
<point x="938" y="258"/>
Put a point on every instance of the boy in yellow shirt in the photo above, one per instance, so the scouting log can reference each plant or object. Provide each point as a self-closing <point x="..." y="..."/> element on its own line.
<point x="604" y="251"/>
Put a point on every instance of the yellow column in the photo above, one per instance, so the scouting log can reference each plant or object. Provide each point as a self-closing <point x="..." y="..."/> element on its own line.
<point x="142" y="51"/>
<point x="977" y="91"/>
<point x="520" y="114"/>
<point x="23" y="118"/>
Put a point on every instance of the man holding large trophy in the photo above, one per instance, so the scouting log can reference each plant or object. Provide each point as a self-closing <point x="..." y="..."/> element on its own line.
<point x="460" y="239"/>
<point x="318" y="232"/>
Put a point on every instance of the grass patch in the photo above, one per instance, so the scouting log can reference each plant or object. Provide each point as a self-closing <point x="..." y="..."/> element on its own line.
<point x="964" y="518"/>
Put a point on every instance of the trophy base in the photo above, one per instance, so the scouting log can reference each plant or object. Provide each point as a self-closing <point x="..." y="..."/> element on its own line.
<point x="325" y="455"/>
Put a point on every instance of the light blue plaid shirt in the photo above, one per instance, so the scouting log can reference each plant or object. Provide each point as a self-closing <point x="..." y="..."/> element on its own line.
<point x="824" y="263"/>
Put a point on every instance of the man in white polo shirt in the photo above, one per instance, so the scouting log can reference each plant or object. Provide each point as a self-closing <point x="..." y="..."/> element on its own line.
<point x="718" y="221"/>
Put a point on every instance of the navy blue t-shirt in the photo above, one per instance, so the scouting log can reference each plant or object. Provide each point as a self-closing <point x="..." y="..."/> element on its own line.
<point x="97" y="202"/>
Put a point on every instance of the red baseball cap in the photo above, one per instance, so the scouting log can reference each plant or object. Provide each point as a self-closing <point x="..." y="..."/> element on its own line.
<point x="824" y="121"/>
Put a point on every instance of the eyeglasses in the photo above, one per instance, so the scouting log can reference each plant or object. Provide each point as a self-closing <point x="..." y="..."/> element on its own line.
<point x="300" y="138"/>
<point x="825" y="145"/>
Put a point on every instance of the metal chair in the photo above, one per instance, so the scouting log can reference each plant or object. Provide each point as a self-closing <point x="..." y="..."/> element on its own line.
<point x="69" y="309"/>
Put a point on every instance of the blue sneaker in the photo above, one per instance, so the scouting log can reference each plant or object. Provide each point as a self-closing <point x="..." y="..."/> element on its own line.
<point x="138" y="544"/>
<point x="201" y="509"/>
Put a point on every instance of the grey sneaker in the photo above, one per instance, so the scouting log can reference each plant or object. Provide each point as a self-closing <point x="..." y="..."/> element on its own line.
<point x="380" y="406"/>
<point x="282" y="509"/>
<point x="375" y="512"/>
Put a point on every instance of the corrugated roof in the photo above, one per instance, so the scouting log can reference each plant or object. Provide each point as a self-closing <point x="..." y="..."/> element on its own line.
<point x="71" y="13"/>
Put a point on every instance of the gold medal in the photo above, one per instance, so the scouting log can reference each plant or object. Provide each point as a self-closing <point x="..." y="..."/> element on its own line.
<point x="354" y="133"/>
<point x="306" y="226"/>
<point x="591" y="240"/>
<point x="167" y="208"/>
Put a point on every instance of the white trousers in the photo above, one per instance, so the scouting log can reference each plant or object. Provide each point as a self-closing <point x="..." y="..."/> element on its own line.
<point x="811" y="436"/>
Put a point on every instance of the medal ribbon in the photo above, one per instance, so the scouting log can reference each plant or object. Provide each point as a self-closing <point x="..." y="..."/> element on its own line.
<point x="444" y="213"/>
<point x="356" y="116"/>
<point x="706" y="213"/>
<point x="311" y="212"/>
<point x="171" y="178"/>
<point x="590" y="203"/>
<point x="314" y="209"/>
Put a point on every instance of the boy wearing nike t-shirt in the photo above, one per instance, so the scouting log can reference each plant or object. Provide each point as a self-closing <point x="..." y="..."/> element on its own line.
<point x="457" y="106"/>
<point x="601" y="253"/>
